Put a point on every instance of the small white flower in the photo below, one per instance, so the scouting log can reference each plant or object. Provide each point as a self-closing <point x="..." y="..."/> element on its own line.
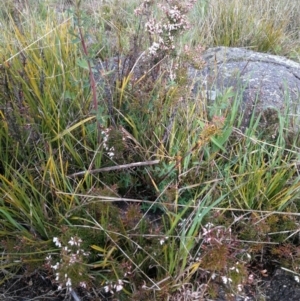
<point x="251" y="278"/>
<point x="111" y="154"/>
<point x="56" y="266"/>
<point x="69" y="283"/>
<point x="82" y="284"/>
<point x="162" y="241"/>
<point x="119" y="287"/>
<point x="226" y="279"/>
<point x="73" y="258"/>
<point x="48" y="258"/>
<point x="234" y="269"/>
<point x="209" y="225"/>
<point x="56" y="242"/>
<point x="71" y="241"/>
<point x="153" y="49"/>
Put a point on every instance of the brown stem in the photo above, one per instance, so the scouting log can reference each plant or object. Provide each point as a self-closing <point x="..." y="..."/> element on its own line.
<point x="118" y="167"/>
<point x="91" y="74"/>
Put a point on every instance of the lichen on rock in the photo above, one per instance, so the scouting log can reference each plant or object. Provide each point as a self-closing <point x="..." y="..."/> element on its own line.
<point x="270" y="84"/>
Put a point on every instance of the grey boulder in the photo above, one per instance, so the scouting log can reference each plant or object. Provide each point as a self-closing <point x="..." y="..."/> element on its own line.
<point x="270" y="84"/>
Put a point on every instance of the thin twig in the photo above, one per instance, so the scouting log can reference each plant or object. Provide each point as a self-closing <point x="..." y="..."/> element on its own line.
<point x="91" y="74"/>
<point x="75" y="296"/>
<point x="124" y="166"/>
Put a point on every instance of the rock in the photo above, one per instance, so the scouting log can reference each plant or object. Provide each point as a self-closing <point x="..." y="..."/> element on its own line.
<point x="283" y="287"/>
<point x="269" y="83"/>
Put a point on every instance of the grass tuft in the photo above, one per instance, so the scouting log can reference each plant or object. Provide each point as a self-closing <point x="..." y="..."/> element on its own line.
<point x="114" y="175"/>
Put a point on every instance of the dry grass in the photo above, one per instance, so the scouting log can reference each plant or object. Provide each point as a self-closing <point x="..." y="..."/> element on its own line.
<point x="266" y="26"/>
<point x="99" y="172"/>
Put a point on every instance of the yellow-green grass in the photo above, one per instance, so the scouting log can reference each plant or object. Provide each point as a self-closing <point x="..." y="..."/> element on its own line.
<point x="69" y="153"/>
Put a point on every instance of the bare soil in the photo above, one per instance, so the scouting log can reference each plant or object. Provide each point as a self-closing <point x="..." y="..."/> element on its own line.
<point x="279" y="285"/>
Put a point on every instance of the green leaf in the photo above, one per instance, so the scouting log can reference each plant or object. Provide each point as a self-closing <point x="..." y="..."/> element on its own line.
<point x="220" y="140"/>
<point x="82" y="63"/>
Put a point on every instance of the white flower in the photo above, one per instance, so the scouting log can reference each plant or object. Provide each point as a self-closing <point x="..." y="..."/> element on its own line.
<point x="226" y="280"/>
<point x="56" y="242"/>
<point x="162" y="241"/>
<point x="48" y="258"/>
<point x="111" y="152"/>
<point x="119" y="286"/>
<point x="55" y="267"/>
<point x="234" y="269"/>
<point x="153" y="49"/>
<point x="69" y="283"/>
<point x="75" y="241"/>
<point x="71" y="241"/>
<point x="73" y="258"/>
<point x="209" y="225"/>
